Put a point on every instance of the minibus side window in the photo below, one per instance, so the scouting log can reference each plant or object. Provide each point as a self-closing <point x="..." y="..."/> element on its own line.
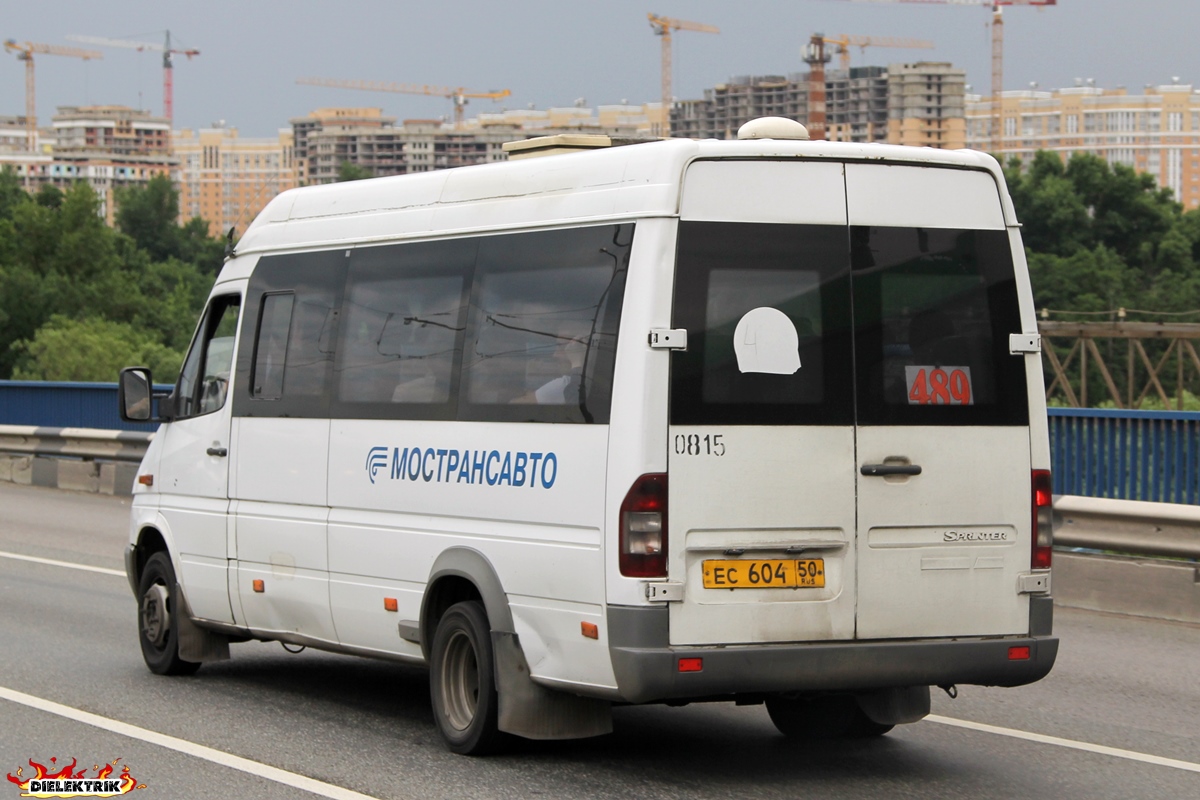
<point x="292" y="312"/>
<point x="933" y="311"/>
<point x="401" y="330"/>
<point x="544" y="315"/>
<point x="204" y="381"/>
<point x="275" y="324"/>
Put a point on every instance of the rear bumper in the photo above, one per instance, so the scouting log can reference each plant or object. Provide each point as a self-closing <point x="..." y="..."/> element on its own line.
<point x="647" y="670"/>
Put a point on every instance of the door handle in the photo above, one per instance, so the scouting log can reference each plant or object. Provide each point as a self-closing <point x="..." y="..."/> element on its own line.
<point x="217" y="451"/>
<point x="883" y="470"/>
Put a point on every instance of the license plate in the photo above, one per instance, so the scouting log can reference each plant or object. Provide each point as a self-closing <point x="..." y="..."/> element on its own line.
<point x="780" y="573"/>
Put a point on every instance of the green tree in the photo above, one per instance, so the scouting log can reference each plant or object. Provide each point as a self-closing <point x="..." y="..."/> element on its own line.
<point x="150" y="216"/>
<point x="197" y="247"/>
<point x="59" y="258"/>
<point x="11" y="193"/>
<point x="90" y="350"/>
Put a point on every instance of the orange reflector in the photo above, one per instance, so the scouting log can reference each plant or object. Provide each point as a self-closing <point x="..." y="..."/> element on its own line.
<point x="691" y="664"/>
<point x="146" y="480"/>
<point x="389" y="604"/>
<point x="259" y="586"/>
<point x="1018" y="653"/>
<point x="590" y="630"/>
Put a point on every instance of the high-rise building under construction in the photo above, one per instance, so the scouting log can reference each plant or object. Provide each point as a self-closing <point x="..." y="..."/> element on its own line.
<point x="916" y="104"/>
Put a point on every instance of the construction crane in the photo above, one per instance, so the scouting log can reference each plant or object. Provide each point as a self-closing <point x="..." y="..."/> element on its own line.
<point x="25" y="51"/>
<point x="662" y="27"/>
<point x="168" y="63"/>
<point x="844" y="42"/>
<point x="459" y="95"/>
<point x="997" y="46"/>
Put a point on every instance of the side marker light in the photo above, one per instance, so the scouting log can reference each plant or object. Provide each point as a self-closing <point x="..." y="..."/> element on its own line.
<point x="589" y="629"/>
<point x="146" y="480"/>
<point x="390" y="604"/>
<point x="259" y="586"/>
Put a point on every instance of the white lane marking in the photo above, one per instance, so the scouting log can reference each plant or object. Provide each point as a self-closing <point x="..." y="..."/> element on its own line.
<point x="184" y="746"/>
<point x="67" y="564"/>
<point x="1088" y="747"/>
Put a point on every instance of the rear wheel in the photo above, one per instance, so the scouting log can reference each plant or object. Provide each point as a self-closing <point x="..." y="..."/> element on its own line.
<point x="158" y="619"/>
<point x="834" y="716"/>
<point x="462" y="681"/>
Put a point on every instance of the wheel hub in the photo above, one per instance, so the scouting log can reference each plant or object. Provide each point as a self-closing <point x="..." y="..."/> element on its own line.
<point x="156" y="619"/>
<point x="460" y="681"/>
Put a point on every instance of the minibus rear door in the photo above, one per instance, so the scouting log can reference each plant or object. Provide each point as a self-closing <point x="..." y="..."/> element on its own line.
<point x="761" y="438"/>
<point x="943" y="447"/>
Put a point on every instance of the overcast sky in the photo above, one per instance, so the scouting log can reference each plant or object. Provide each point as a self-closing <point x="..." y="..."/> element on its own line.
<point x="549" y="53"/>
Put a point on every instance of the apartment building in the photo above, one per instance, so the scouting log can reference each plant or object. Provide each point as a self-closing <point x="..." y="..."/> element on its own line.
<point x="227" y="179"/>
<point x="110" y="147"/>
<point x="1155" y="132"/>
<point x="916" y="104"/>
<point x="328" y="137"/>
<point x="621" y="120"/>
<point x="727" y="106"/>
<point x="927" y="105"/>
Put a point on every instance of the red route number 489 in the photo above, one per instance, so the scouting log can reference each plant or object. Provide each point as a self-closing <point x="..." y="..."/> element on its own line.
<point x="938" y="386"/>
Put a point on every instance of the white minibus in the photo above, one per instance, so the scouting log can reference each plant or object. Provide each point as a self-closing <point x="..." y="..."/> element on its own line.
<point x="758" y="421"/>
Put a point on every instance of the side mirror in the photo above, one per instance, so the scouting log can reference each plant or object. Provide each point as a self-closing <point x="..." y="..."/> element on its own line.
<point x="136" y="396"/>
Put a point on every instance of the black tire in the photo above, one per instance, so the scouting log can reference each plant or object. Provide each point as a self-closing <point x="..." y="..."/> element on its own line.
<point x="158" y="622"/>
<point x="863" y="727"/>
<point x="829" y="716"/>
<point x="462" y="681"/>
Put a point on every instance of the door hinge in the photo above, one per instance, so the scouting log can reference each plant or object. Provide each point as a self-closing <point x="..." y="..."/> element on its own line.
<point x="668" y="338"/>
<point x="1019" y="343"/>
<point x="1036" y="583"/>
<point x="664" y="592"/>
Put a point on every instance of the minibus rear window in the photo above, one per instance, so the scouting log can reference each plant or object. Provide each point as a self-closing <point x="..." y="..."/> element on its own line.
<point x="933" y="311"/>
<point x="766" y="308"/>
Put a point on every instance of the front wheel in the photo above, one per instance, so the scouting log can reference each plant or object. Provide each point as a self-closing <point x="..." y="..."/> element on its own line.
<point x="158" y="619"/>
<point x="462" y="681"/>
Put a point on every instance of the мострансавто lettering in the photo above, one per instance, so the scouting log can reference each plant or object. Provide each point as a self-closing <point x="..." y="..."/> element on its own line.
<point x="444" y="465"/>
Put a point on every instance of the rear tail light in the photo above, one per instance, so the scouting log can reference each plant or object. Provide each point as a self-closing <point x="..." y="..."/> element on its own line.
<point x="643" y="545"/>
<point x="1043" y="520"/>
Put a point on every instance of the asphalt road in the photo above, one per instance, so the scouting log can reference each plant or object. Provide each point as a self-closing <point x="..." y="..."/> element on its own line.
<point x="1123" y="694"/>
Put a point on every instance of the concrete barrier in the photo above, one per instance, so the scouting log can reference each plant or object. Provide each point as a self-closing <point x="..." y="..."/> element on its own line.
<point x="80" y="459"/>
<point x="1140" y="587"/>
<point x="80" y="476"/>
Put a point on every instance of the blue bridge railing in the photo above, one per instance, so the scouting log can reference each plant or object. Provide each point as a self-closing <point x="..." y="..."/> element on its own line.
<point x="64" y="405"/>
<point x="1126" y="455"/>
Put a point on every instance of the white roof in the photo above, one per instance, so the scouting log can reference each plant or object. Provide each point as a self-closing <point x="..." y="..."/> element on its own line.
<point x="626" y="182"/>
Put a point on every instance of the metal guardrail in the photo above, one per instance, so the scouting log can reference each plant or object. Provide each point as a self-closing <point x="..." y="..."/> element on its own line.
<point x="1127" y="526"/>
<point x="1096" y="523"/>
<point x="85" y="444"/>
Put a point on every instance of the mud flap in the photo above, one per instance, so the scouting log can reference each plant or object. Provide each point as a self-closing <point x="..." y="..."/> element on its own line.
<point x="897" y="706"/>
<point x="195" y="643"/>
<point x="535" y="712"/>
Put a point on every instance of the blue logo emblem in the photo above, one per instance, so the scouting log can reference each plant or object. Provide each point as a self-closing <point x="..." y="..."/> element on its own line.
<point x="377" y="460"/>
